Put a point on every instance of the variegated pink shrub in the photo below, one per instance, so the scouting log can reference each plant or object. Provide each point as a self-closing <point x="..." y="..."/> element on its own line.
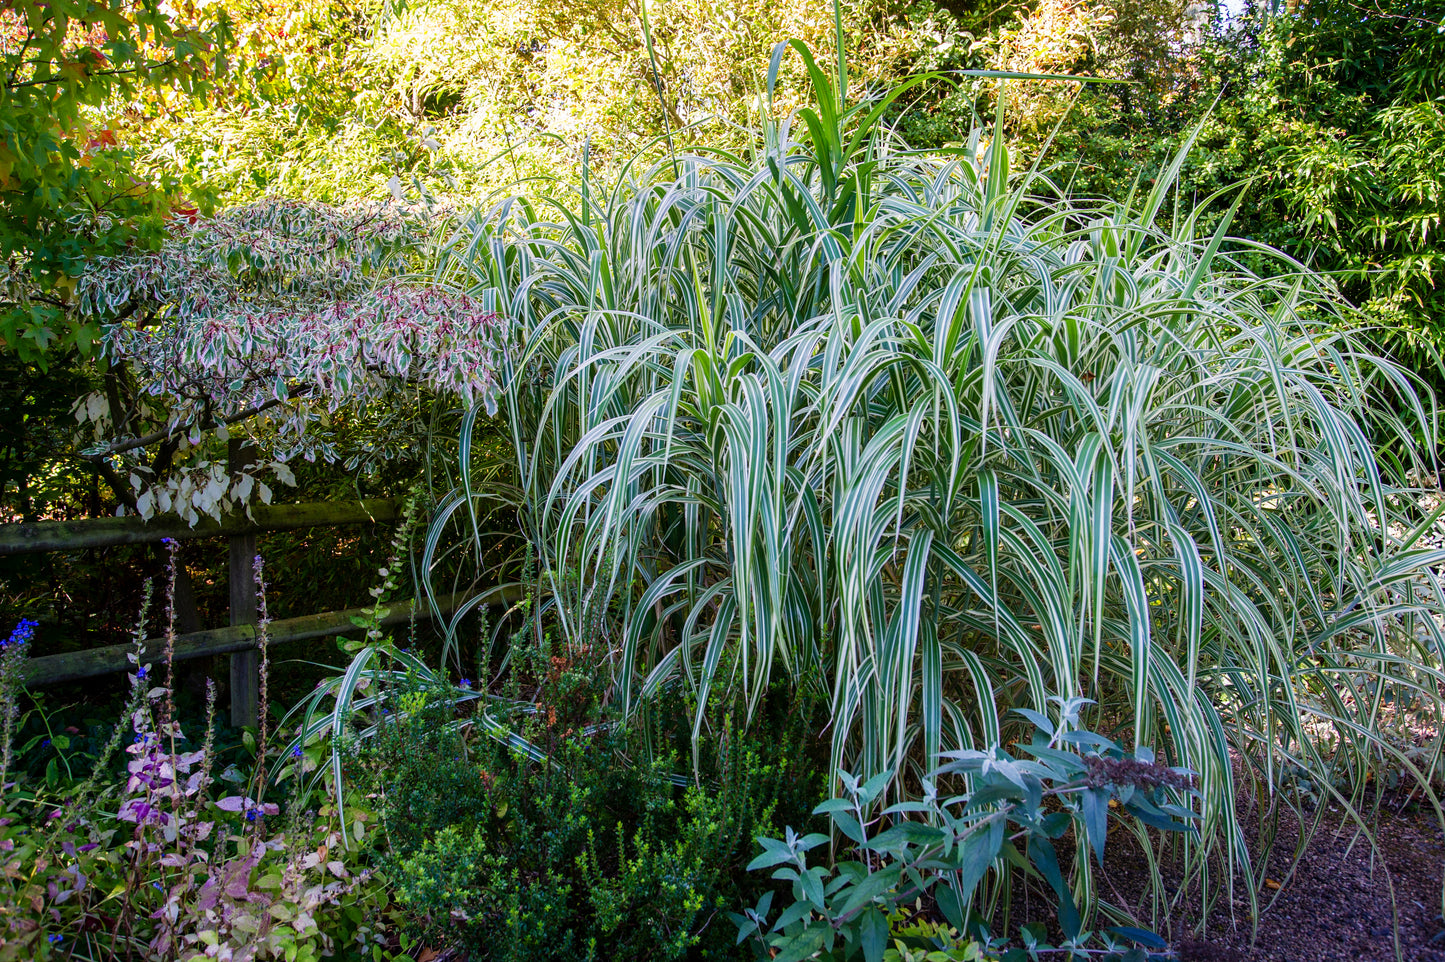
<point x="280" y="320"/>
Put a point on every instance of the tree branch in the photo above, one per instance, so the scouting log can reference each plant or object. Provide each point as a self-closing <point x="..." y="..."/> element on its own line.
<point x="17" y="84"/>
<point x="130" y="444"/>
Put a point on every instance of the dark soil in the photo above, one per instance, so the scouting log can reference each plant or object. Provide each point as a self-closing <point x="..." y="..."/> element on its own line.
<point x="1336" y="905"/>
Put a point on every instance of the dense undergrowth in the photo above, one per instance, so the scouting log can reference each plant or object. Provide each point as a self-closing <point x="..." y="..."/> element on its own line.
<point x="590" y="844"/>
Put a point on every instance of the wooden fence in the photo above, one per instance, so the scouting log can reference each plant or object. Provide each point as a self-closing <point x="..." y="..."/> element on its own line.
<point x="105" y="532"/>
<point x="239" y="639"/>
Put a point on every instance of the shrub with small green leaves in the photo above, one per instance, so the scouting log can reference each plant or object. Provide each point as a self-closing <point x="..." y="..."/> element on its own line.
<point x="596" y="851"/>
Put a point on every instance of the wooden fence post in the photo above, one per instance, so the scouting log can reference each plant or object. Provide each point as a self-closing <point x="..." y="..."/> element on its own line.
<point x="245" y="681"/>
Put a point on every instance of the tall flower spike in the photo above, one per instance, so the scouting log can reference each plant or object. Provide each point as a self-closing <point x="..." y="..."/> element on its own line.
<point x="13" y="654"/>
<point x="172" y="572"/>
<point x="263" y="639"/>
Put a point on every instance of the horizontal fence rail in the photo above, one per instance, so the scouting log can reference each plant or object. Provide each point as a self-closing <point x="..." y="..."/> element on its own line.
<point x="72" y="665"/>
<point x="37" y="536"/>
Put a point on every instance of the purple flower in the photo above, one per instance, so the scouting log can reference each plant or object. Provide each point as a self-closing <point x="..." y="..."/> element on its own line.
<point x="138" y="812"/>
<point x="252" y="810"/>
<point x="135" y="810"/>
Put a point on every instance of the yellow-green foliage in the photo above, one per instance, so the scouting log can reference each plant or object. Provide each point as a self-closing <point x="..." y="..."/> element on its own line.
<point x="467" y="96"/>
<point x="535" y="81"/>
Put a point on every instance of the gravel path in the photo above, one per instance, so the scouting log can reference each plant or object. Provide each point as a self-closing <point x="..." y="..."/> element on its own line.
<point x="1335" y="907"/>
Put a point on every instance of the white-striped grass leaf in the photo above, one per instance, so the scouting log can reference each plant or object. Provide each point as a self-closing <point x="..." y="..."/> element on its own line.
<point x="905" y="430"/>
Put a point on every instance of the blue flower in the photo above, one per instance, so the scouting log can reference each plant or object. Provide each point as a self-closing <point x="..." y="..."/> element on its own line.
<point x="54" y="939"/>
<point x="296" y="752"/>
<point x="466" y="683"/>
<point x="22" y="634"/>
<point x="252" y="814"/>
<point x="45" y="743"/>
<point x="140" y="672"/>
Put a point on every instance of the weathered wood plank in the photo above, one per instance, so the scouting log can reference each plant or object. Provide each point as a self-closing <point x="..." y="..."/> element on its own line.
<point x="69" y="666"/>
<point x="104" y="532"/>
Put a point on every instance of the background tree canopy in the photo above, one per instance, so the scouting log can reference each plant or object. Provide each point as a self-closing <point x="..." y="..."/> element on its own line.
<point x="75" y="73"/>
<point x="1331" y="109"/>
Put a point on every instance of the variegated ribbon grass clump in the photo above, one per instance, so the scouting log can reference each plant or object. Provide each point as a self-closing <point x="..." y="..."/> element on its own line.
<point x="922" y="431"/>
